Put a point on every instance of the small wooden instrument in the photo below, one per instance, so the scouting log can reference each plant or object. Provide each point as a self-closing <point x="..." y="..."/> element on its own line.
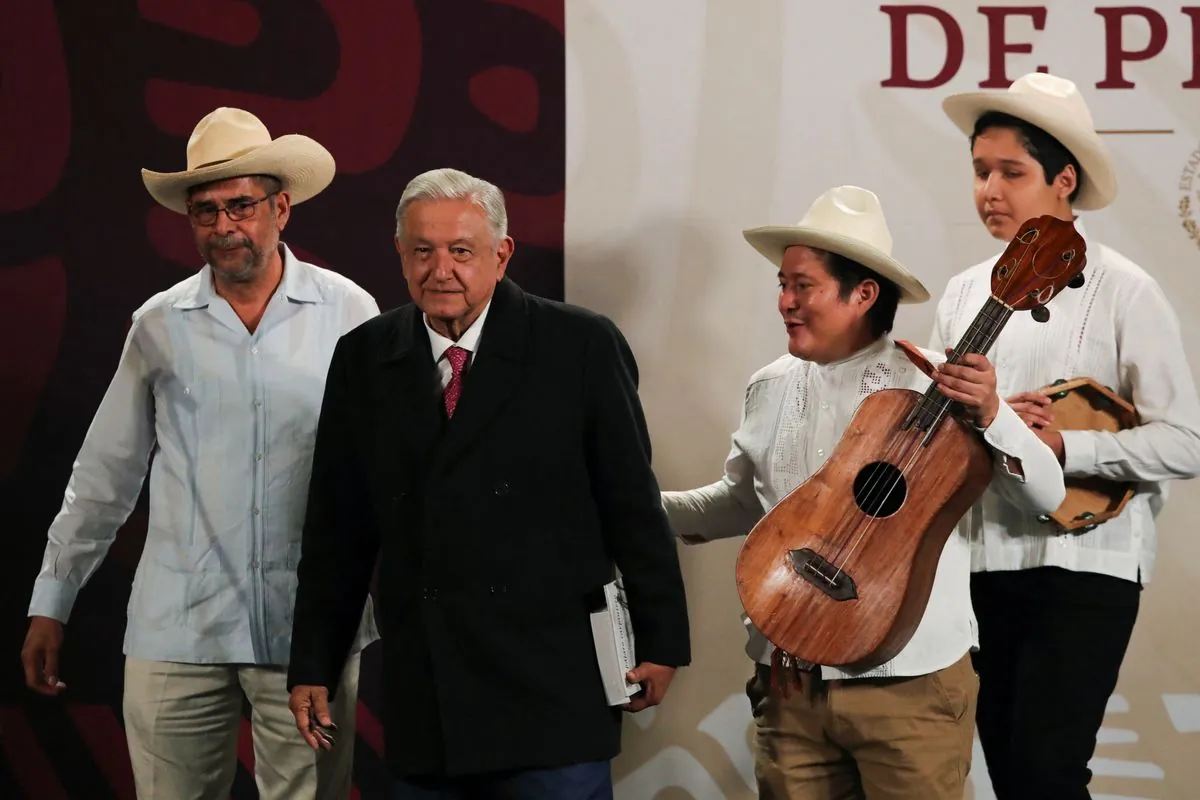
<point x="839" y="572"/>
<point x="1084" y="404"/>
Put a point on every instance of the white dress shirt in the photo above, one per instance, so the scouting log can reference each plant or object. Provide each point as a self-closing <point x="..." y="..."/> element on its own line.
<point x="794" y="415"/>
<point x="1120" y="330"/>
<point x="469" y="341"/>
<point x="224" y="421"/>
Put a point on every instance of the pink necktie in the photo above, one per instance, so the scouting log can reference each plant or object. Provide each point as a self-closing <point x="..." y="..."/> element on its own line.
<point x="457" y="357"/>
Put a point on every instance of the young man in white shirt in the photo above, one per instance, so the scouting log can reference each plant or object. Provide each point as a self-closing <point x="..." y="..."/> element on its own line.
<point x="904" y="729"/>
<point x="1056" y="610"/>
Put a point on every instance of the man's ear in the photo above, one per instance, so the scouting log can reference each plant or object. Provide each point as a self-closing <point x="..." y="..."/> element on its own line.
<point x="867" y="293"/>
<point x="504" y="252"/>
<point x="283" y="209"/>
<point x="1066" y="182"/>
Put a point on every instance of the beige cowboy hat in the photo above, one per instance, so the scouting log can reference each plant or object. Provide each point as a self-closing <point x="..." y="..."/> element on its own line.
<point x="849" y="221"/>
<point x="1055" y="105"/>
<point x="229" y="143"/>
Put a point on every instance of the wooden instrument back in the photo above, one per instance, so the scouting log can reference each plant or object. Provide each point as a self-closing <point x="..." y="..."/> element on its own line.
<point x="839" y="572"/>
<point x="1085" y="404"/>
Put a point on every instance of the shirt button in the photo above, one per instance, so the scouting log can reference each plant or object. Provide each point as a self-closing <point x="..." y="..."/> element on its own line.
<point x="254" y="351"/>
<point x="824" y="405"/>
<point x="820" y="452"/>
<point x="258" y="403"/>
<point x="253" y="565"/>
<point x="256" y="511"/>
<point x="258" y="456"/>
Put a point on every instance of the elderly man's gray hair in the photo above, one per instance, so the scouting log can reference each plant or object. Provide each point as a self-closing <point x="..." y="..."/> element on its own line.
<point x="451" y="184"/>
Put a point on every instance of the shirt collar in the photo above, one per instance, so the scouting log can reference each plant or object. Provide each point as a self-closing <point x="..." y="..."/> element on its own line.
<point x="469" y="341"/>
<point x="298" y="283"/>
<point x="872" y="350"/>
<point x="299" y="280"/>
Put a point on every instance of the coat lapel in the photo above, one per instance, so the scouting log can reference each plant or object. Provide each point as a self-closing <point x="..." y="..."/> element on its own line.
<point x="495" y="373"/>
<point x="411" y="404"/>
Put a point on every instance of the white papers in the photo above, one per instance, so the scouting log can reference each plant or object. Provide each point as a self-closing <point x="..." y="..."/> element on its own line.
<point x="612" y="631"/>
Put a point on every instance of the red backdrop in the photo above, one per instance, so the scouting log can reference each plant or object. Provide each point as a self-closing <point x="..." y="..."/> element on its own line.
<point x="90" y="92"/>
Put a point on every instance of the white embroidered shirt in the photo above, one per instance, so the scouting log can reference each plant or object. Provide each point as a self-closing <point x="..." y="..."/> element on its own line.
<point x="1119" y="329"/>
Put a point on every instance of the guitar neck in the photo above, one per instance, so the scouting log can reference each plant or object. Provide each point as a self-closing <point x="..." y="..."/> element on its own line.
<point x="979" y="338"/>
<point x="984" y="330"/>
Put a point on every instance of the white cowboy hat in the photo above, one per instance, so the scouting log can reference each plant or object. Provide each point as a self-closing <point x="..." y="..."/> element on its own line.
<point x="229" y="143"/>
<point x="1055" y="105"/>
<point x="848" y="221"/>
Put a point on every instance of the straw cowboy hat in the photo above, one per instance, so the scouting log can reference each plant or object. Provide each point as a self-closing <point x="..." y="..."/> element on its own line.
<point x="1055" y="105"/>
<point x="230" y="143"/>
<point x="848" y="221"/>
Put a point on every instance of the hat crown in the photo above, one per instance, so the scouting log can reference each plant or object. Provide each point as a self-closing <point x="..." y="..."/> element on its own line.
<point x="224" y="134"/>
<point x="852" y="212"/>
<point x="1059" y="93"/>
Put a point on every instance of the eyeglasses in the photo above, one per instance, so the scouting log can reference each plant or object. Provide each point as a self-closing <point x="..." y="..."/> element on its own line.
<point x="237" y="210"/>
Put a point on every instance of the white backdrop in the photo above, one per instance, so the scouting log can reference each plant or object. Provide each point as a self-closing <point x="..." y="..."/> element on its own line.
<point x="690" y="120"/>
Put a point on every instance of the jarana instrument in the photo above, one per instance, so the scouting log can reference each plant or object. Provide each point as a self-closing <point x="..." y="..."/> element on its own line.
<point x="1085" y="404"/>
<point x="839" y="572"/>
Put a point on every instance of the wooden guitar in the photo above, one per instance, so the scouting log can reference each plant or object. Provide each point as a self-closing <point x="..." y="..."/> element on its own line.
<point x="839" y="572"/>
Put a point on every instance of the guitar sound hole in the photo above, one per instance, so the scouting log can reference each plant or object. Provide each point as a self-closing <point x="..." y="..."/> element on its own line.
<point x="880" y="489"/>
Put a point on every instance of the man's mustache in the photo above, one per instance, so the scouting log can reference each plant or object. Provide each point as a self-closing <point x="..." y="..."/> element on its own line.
<point x="229" y="242"/>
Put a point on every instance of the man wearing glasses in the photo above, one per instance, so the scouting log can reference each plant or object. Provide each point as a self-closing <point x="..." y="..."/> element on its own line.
<point x="217" y="395"/>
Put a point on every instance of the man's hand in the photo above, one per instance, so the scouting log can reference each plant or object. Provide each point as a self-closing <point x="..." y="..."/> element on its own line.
<point x="306" y="703"/>
<point x="1033" y="408"/>
<point x="971" y="382"/>
<point x="39" y="656"/>
<point x="654" y="679"/>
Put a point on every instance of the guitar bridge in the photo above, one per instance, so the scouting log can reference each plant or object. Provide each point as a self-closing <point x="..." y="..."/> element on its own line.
<point x="820" y="573"/>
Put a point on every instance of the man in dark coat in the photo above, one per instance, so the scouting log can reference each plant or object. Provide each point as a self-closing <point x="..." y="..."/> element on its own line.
<point x="491" y="446"/>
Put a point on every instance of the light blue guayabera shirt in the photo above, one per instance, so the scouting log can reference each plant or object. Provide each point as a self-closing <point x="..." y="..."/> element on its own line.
<point x="229" y="418"/>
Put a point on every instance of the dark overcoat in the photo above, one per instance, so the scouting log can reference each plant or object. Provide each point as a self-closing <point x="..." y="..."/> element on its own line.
<point x="494" y="531"/>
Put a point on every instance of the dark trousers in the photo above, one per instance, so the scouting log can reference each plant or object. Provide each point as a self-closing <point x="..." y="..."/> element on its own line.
<point x="1051" y="646"/>
<point x="591" y="781"/>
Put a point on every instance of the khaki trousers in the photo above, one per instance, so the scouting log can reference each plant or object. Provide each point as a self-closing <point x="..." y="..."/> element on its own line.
<point x="865" y="739"/>
<point x="182" y="723"/>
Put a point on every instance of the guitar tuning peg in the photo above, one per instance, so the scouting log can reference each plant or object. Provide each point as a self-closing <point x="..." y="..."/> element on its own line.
<point x="1040" y="313"/>
<point x="1076" y="282"/>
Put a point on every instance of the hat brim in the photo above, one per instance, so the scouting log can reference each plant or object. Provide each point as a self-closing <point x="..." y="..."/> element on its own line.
<point x="302" y="165"/>
<point x="772" y="240"/>
<point x="1099" y="180"/>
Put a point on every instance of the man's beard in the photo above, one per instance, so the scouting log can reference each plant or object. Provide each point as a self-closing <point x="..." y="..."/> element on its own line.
<point x="245" y="269"/>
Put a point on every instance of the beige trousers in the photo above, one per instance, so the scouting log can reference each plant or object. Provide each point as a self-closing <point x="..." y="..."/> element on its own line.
<point x="872" y="738"/>
<point x="182" y="723"/>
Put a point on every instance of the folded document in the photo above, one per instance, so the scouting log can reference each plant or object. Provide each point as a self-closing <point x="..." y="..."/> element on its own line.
<point x="612" y="631"/>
